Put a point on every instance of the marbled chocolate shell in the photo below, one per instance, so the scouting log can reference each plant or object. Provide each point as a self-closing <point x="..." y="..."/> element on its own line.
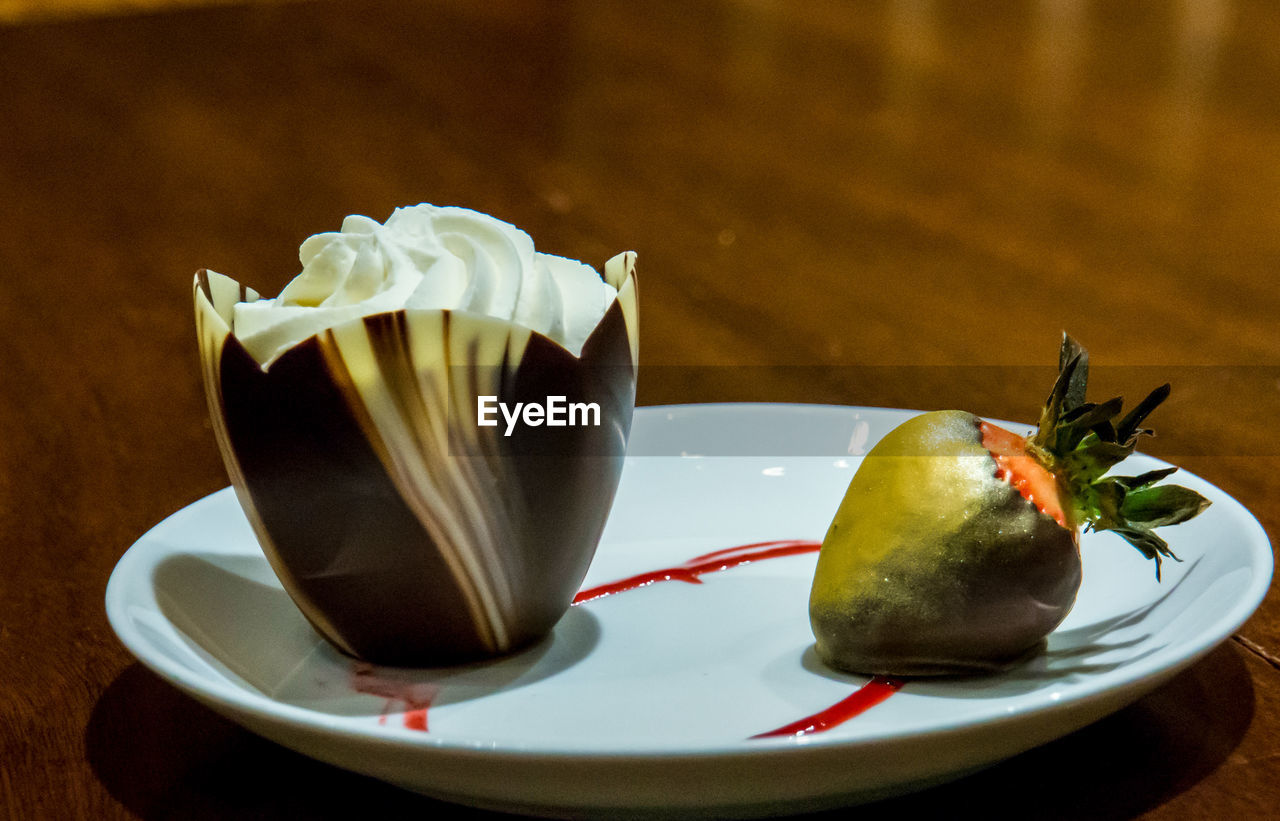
<point x="404" y="531"/>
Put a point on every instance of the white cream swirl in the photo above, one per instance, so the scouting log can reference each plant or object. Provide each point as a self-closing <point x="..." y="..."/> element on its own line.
<point x="427" y="257"/>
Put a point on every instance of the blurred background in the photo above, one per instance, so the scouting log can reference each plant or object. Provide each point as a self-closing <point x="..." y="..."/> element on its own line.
<point x="816" y="192"/>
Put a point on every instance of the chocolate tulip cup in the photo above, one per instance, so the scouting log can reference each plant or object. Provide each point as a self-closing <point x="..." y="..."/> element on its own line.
<point x="407" y="533"/>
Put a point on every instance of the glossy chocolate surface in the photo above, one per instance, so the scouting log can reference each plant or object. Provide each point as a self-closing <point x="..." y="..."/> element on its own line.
<point x="342" y="517"/>
<point x="933" y="566"/>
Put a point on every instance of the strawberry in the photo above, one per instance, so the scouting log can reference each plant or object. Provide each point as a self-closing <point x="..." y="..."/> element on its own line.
<point x="956" y="548"/>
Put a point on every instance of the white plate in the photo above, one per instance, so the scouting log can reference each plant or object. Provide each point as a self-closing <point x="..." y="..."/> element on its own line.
<point x="646" y="701"/>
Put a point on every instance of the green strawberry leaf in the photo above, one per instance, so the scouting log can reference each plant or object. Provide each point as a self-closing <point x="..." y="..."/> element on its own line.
<point x="1163" y="505"/>
<point x="1148" y="544"/>
<point x="1144" y="479"/>
<point x="1128" y="427"/>
<point x="1077" y="382"/>
<point x="1094" y="458"/>
<point x="1080" y="441"/>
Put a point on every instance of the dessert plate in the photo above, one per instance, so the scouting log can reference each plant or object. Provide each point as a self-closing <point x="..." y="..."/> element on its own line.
<point x="650" y="700"/>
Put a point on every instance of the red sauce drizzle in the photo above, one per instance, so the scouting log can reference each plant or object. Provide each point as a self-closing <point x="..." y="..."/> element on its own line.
<point x="414" y="697"/>
<point x="862" y="699"/>
<point x="706" y="563"/>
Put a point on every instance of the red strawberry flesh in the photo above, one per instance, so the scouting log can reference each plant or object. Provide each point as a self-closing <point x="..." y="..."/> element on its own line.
<point x="1021" y="470"/>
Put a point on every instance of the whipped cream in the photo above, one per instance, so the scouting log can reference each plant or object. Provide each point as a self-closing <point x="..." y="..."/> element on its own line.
<point x="426" y="257"/>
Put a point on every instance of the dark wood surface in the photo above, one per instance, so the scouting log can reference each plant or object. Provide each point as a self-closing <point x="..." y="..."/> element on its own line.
<point x="892" y="203"/>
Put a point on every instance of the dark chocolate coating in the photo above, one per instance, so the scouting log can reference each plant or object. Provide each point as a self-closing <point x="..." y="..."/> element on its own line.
<point x="311" y="468"/>
<point x="933" y="565"/>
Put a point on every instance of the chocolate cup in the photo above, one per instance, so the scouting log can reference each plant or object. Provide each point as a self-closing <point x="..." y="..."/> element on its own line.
<point x="406" y="533"/>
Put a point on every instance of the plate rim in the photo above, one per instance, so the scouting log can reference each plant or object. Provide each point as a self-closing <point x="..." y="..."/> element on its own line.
<point x="263" y="708"/>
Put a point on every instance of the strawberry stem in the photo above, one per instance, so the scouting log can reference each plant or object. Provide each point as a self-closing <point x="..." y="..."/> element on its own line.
<point x="1079" y="441"/>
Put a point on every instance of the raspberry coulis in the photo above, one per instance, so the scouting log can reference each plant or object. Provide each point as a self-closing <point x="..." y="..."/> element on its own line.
<point x="700" y="565"/>
<point x="415" y="698"/>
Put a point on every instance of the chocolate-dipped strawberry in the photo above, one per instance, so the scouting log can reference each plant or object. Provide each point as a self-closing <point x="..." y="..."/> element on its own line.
<point x="376" y="422"/>
<point x="956" y="547"/>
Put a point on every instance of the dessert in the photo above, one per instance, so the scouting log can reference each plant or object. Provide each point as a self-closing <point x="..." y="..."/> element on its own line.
<point x="408" y="528"/>
<point x="956" y="547"/>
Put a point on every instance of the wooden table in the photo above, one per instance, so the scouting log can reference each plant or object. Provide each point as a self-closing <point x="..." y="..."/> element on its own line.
<point x="892" y="203"/>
